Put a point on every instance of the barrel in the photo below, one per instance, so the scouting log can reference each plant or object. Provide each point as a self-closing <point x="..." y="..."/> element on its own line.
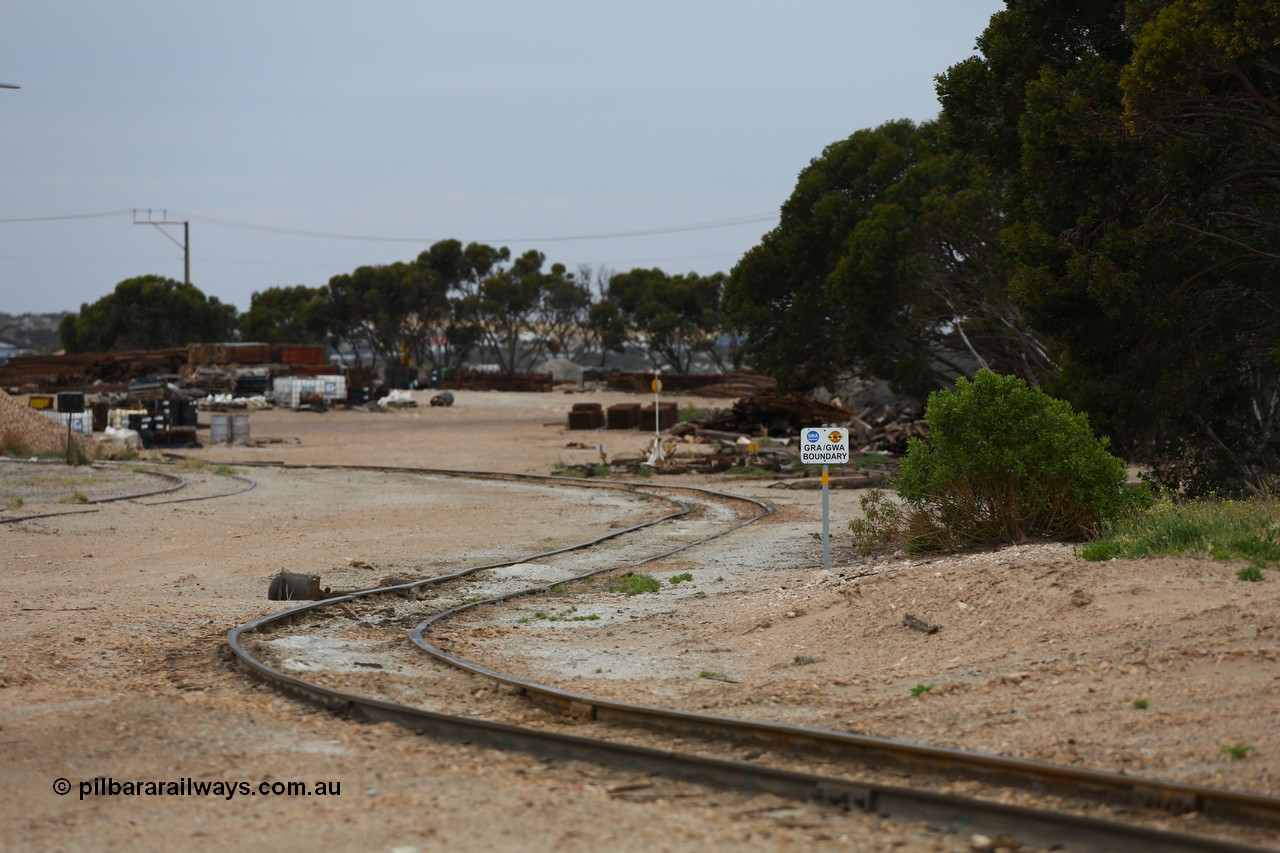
<point x="240" y="429"/>
<point x="219" y="428"/>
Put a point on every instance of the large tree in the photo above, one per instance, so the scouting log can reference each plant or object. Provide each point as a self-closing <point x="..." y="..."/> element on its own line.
<point x="375" y="308"/>
<point x="677" y="318"/>
<point x="1140" y="184"/>
<point x="148" y="312"/>
<point x="287" y="315"/>
<point x="886" y="259"/>
<point x="505" y="308"/>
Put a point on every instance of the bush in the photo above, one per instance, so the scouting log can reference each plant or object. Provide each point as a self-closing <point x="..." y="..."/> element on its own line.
<point x="1005" y="463"/>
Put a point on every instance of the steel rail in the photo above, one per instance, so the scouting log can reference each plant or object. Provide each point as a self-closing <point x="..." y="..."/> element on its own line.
<point x="1114" y="788"/>
<point x="958" y="812"/>
<point x="252" y="485"/>
<point x="181" y="483"/>
<point x="946" y="811"/>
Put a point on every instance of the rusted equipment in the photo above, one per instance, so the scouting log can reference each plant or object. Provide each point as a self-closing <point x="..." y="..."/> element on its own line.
<point x="291" y="586"/>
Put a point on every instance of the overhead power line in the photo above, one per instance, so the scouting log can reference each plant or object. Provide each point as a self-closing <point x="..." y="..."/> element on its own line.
<point x="103" y="215"/>
<point x="382" y="238"/>
<point x="644" y="232"/>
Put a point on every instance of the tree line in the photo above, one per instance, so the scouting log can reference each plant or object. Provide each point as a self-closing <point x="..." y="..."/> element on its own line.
<point x="1096" y="209"/>
<point x="451" y="303"/>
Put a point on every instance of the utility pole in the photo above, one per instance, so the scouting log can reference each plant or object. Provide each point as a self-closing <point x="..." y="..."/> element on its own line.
<point x="185" y="245"/>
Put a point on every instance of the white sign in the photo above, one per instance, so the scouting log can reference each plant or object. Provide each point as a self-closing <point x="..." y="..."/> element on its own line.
<point x="824" y="446"/>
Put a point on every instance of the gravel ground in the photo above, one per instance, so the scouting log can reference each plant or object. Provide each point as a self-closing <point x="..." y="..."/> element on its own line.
<point x="110" y="665"/>
<point x="24" y="430"/>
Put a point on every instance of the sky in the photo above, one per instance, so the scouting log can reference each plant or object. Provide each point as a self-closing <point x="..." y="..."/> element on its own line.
<point x="302" y="139"/>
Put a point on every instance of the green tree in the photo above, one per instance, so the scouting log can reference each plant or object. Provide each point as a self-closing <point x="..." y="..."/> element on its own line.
<point x="459" y="271"/>
<point x="505" y="308"/>
<point x="564" y="312"/>
<point x="677" y="318"/>
<point x="606" y="328"/>
<point x="287" y="315"/>
<point x="886" y="259"/>
<point x="1149" y="277"/>
<point x="148" y="312"/>
<point x="376" y="307"/>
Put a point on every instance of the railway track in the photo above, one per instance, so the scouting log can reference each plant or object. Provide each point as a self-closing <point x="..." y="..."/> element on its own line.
<point x="190" y="485"/>
<point x="348" y="654"/>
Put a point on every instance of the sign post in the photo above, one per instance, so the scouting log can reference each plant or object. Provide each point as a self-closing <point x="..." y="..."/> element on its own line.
<point x="823" y="446"/>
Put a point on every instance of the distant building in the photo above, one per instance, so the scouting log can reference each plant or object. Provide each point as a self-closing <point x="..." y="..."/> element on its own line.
<point x="8" y="351"/>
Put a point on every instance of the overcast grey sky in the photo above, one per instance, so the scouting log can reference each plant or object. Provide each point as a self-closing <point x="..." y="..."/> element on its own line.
<point x="284" y="130"/>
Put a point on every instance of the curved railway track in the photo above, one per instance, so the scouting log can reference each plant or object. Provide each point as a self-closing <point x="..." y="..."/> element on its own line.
<point x="373" y="622"/>
<point x="172" y="483"/>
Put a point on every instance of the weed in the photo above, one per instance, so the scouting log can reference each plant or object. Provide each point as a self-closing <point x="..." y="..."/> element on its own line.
<point x="803" y="660"/>
<point x="224" y="469"/>
<point x="1221" y="529"/>
<point x="189" y="464"/>
<point x="706" y="673"/>
<point x="871" y="460"/>
<point x="1237" y="750"/>
<point x="687" y="415"/>
<point x="921" y="689"/>
<point x="633" y="584"/>
<point x="77" y="497"/>
<point x="14" y="503"/>
<point x="566" y="615"/>
<point x="1249" y="573"/>
<point x="882" y="527"/>
<point x="1140" y="704"/>
<point x="683" y="576"/>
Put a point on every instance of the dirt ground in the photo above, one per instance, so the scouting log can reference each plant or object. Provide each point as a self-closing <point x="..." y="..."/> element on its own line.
<point x="114" y="618"/>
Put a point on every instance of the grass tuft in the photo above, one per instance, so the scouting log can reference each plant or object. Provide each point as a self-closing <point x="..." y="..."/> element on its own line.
<point x="633" y="584"/>
<point x="1224" y="530"/>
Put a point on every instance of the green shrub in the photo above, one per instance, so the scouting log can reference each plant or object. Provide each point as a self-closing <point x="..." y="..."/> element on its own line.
<point x="1005" y="463"/>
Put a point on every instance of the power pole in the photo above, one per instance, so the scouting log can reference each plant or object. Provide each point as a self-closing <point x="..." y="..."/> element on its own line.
<point x="185" y="245"/>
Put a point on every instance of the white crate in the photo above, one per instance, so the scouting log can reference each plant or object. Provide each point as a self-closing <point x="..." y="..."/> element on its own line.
<point x="288" y="390"/>
<point x="81" y="422"/>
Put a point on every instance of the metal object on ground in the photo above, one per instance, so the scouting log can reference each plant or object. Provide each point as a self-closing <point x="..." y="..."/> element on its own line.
<point x="291" y="586"/>
<point x="444" y="398"/>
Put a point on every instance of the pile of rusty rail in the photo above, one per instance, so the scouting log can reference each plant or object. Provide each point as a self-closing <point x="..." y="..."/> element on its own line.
<point x="101" y="372"/>
<point x="740" y="383"/>
<point x="198" y="368"/>
<point x="479" y="380"/>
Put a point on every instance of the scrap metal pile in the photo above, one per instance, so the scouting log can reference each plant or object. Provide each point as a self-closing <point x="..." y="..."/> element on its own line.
<point x="759" y="434"/>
